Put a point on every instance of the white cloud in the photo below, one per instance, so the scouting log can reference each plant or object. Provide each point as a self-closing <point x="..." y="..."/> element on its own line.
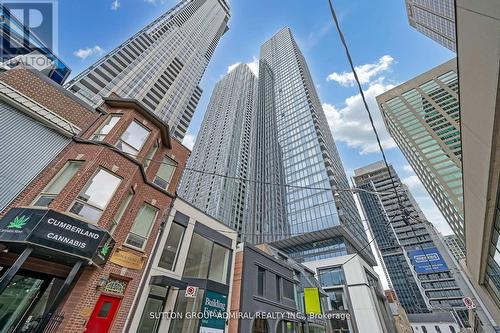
<point x="365" y="72"/>
<point x="91" y="51"/>
<point x="254" y="66"/>
<point x="407" y="168"/>
<point x="351" y="125"/>
<point x="155" y="2"/>
<point x="189" y="141"/>
<point x="115" y="5"/>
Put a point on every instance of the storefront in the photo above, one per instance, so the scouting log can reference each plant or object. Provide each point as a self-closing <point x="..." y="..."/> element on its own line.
<point x="42" y="254"/>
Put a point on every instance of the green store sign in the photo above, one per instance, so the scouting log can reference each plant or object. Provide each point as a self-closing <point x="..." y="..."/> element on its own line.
<point x="214" y="312"/>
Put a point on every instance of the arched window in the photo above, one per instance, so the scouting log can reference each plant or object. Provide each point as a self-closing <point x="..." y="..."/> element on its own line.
<point x="260" y="326"/>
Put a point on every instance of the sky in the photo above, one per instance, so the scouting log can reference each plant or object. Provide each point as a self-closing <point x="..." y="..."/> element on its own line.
<point x="385" y="50"/>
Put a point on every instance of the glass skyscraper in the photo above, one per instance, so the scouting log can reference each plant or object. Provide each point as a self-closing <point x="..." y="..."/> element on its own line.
<point x="296" y="164"/>
<point x="223" y="147"/>
<point x="423" y="117"/>
<point x="422" y="273"/>
<point x="161" y="65"/>
<point x="435" y="19"/>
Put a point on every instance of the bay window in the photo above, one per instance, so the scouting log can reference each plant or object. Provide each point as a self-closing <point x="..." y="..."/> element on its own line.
<point x="142" y="226"/>
<point x="104" y="130"/>
<point x="133" y="138"/>
<point x="57" y="184"/>
<point x="95" y="196"/>
<point x="165" y="172"/>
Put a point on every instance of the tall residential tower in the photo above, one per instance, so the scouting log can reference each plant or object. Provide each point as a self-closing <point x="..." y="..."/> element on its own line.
<point x="222" y="148"/>
<point x="297" y="166"/>
<point x="161" y="65"/>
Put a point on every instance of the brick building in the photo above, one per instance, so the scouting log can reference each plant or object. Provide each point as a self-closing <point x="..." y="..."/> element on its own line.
<point x="79" y="235"/>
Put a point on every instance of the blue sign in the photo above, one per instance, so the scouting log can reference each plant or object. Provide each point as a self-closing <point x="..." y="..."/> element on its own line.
<point x="427" y="260"/>
<point x="214" y="312"/>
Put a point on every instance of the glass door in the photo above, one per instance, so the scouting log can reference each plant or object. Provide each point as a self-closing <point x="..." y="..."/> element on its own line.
<point x="17" y="299"/>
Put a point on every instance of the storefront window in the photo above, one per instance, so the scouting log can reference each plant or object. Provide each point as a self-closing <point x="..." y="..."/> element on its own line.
<point x="172" y="246"/>
<point x="133" y="138"/>
<point x="207" y="259"/>
<point x="289" y="327"/>
<point x="57" y="184"/>
<point x="142" y="226"/>
<point x="154" y="305"/>
<point x="187" y="305"/>
<point x="101" y="133"/>
<point x="96" y="195"/>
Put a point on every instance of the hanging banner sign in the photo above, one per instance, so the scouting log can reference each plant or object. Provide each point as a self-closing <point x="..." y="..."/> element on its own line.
<point x="57" y="231"/>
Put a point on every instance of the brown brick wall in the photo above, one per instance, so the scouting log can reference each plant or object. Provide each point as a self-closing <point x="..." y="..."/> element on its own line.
<point x="42" y="90"/>
<point x="236" y="293"/>
<point x="80" y="302"/>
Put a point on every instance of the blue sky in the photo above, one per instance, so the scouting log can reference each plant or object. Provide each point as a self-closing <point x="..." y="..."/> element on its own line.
<point x="386" y="49"/>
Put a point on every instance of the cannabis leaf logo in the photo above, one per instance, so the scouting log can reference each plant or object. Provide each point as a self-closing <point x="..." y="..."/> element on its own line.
<point x="105" y="248"/>
<point x="18" y="222"/>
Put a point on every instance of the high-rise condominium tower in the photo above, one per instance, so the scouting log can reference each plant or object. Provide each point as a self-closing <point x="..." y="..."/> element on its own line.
<point x="435" y="19"/>
<point x="422" y="273"/>
<point x="161" y="65"/>
<point x="296" y="164"/>
<point x="222" y="148"/>
<point x="423" y="117"/>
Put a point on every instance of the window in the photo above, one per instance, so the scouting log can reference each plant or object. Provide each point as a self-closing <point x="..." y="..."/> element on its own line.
<point x="207" y="259"/>
<point x="154" y="304"/>
<point x="57" y="184"/>
<point x="150" y="155"/>
<point x="424" y="329"/>
<point x="452" y="329"/>
<point x="438" y="330"/>
<point x="219" y="264"/>
<point x="198" y="257"/>
<point x="165" y="172"/>
<point x="336" y="297"/>
<point x="288" y="289"/>
<point x="101" y="133"/>
<point x="172" y="245"/>
<point x="331" y="276"/>
<point x="141" y="229"/>
<point x="260" y="326"/>
<point x="133" y="138"/>
<point x="95" y="196"/>
<point x="278" y="288"/>
<point x="184" y="305"/>
<point x="121" y="211"/>
<point x="261" y="275"/>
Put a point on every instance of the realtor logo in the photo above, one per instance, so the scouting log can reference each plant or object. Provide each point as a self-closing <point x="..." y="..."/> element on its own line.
<point x="29" y="25"/>
<point x="18" y="223"/>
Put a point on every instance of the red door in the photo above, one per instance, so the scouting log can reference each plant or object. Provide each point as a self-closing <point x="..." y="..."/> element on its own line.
<point x="102" y="317"/>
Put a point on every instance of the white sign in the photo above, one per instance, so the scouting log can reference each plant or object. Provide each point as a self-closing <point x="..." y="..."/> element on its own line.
<point x="191" y="291"/>
<point x="469" y="303"/>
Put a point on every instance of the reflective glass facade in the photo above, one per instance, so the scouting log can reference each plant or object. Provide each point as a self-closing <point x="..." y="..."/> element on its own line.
<point x="223" y="147"/>
<point x="422" y="115"/>
<point x="435" y="19"/>
<point x="293" y="146"/>
<point x="397" y="235"/>
<point x="162" y="64"/>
